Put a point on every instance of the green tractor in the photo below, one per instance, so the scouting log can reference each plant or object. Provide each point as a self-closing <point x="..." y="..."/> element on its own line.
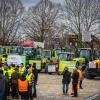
<point x="45" y="55"/>
<point x="50" y="56"/>
<point x="26" y="55"/>
<point x="83" y="54"/>
<point x="93" y="70"/>
<point x="55" y="52"/>
<point x="4" y="50"/>
<point x="65" y="59"/>
<point x="91" y="59"/>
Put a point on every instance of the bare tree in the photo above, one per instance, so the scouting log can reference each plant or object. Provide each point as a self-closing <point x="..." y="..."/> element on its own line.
<point x="83" y="15"/>
<point x="40" y="22"/>
<point x="10" y="16"/>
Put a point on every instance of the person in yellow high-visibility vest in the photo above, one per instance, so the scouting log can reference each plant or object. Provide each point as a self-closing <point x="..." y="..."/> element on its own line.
<point x="21" y="69"/>
<point x="10" y="72"/>
<point x="80" y="77"/>
<point x="2" y="68"/>
<point x="5" y="71"/>
<point x="29" y="78"/>
<point x="3" y="59"/>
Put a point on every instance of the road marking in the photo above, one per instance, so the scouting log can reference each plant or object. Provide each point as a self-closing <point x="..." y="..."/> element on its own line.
<point x="93" y="97"/>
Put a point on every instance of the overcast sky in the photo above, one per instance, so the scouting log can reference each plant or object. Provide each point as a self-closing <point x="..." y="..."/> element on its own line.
<point x="28" y="3"/>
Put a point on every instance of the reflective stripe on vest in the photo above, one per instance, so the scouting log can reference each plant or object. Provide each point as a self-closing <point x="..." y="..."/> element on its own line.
<point x="2" y="68"/>
<point x="22" y="86"/>
<point x="3" y="60"/>
<point x="10" y="72"/>
<point x="4" y="72"/>
<point x="80" y="73"/>
<point x="21" y="70"/>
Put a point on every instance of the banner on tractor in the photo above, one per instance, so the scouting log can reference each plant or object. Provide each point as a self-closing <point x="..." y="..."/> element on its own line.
<point x="15" y="59"/>
<point x="92" y="64"/>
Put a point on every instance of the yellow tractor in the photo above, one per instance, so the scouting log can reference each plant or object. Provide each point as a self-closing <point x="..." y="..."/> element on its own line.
<point x="93" y="70"/>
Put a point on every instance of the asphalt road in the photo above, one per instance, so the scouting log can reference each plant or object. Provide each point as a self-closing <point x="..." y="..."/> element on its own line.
<point x="94" y="97"/>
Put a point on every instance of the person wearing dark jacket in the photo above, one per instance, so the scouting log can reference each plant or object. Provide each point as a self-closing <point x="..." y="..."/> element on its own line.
<point x="66" y="80"/>
<point x="14" y="83"/>
<point x="35" y="74"/>
<point x="26" y="71"/>
<point x="3" y="86"/>
<point x="75" y="79"/>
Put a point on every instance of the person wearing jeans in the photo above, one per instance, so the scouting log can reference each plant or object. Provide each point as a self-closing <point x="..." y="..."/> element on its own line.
<point x="65" y="88"/>
<point x="66" y="80"/>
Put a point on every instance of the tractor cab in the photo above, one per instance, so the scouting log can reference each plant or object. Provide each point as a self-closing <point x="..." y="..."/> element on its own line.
<point x="4" y="51"/>
<point x="66" y="60"/>
<point x="93" y="70"/>
<point x="15" y="50"/>
<point x="83" y="54"/>
<point x="55" y="52"/>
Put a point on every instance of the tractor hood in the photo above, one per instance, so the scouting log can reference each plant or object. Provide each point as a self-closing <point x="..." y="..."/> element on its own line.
<point x="80" y="60"/>
<point x="70" y="64"/>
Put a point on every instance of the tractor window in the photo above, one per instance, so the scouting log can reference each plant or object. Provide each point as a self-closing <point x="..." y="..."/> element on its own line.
<point x="85" y="53"/>
<point x="65" y="57"/>
<point x="3" y="50"/>
<point x="58" y="51"/>
<point x="98" y="54"/>
<point x="53" y="53"/>
<point x="46" y="54"/>
<point x="27" y="51"/>
<point x="38" y="51"/>
<point x="7" y="50"/>
<point x="17" y="50"/>
<point x="11" y="51"/>
<point x="77" y="53"/>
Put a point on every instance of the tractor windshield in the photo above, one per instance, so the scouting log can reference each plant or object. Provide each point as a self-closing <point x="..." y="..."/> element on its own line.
<point x="27" y="51"/>
<point x="17" y="50"/>
<point x="32" y="53"/>
<point x="85" y="53"/>
<point x="3" y="51"/>
<point x="60" y="50"/>
<point x="46" y="54"/>
<point x="65" y="57"/>
<point x="98" y="54"/>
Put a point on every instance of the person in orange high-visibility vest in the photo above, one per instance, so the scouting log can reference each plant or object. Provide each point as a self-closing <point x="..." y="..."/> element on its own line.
<point x="23" y="88"/>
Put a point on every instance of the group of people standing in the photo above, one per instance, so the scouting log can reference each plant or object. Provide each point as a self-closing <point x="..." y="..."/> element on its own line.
<point x="18" y="81"/>
<point x="77" y="77"/>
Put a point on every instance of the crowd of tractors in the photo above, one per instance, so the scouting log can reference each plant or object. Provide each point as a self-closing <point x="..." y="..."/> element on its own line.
<point x="54" y="61"/>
